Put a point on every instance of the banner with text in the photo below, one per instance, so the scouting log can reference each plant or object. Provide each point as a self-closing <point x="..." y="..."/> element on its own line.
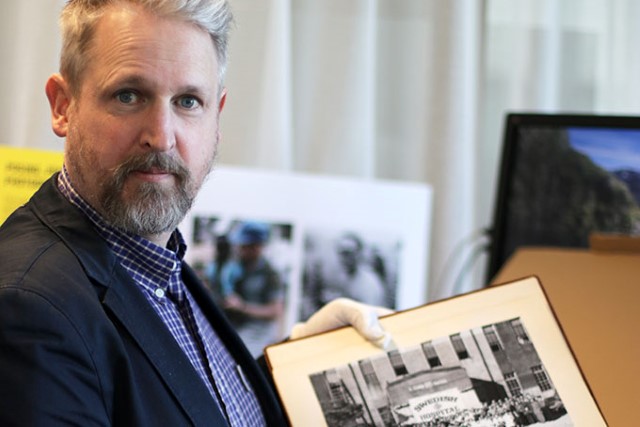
<point x="436" y="405"/>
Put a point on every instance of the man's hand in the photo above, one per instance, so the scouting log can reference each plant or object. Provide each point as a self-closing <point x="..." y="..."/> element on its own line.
<point x="344" y="312"/>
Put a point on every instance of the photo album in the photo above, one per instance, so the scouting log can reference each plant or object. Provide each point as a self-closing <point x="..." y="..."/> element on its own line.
<point x="492" y="357"/>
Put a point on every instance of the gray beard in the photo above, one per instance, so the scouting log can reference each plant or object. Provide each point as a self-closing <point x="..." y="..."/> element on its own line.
<point x="153" y="209"/>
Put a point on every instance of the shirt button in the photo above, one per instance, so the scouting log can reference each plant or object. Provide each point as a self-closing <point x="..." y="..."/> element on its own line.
<point x="159" y="292"/>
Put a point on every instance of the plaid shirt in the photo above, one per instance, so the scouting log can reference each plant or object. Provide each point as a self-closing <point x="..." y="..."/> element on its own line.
<point x="156" y="270"/>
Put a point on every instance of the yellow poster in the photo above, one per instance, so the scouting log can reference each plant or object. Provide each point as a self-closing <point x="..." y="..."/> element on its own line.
<point x="22" y="172"/>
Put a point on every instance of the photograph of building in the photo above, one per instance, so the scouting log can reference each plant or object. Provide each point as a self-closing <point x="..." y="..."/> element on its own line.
<point x="491" y="375"/>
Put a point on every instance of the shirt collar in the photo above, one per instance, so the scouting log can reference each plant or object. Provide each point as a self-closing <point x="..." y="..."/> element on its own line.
<point x="153" y="263"/>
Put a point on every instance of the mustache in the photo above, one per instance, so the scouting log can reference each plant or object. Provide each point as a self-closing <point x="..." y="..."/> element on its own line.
<point x="152" y="161"/>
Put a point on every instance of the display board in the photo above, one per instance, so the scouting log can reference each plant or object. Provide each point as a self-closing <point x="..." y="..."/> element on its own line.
<point x="318" y="225"/>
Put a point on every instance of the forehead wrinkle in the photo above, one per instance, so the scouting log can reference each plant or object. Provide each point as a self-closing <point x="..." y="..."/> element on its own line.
<point x="136" y="75"/>
<point x="126" y="51"/>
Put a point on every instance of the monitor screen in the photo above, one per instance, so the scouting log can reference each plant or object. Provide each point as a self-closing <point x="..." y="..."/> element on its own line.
<point x="562" y="178"/>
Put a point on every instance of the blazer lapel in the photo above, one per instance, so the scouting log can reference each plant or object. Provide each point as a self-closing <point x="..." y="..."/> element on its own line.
<point x="129" y="306"/>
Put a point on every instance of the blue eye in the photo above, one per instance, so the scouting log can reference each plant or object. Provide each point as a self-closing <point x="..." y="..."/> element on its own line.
<point x="188" y="102"/>
<point x="127" y="97"/>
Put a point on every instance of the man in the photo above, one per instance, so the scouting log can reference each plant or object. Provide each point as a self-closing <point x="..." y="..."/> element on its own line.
<point x="101" y="322"/>
<point x="252" y="292"/>
<point x="354" y="277"/>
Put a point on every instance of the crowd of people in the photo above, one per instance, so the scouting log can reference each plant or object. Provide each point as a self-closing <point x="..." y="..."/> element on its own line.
<point x="516" y="411"/>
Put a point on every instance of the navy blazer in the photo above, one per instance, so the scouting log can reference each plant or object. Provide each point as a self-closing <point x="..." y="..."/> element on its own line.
<point x="79" y="343"/>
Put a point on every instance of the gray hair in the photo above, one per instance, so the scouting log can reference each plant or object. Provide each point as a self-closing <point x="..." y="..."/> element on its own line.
<point x="79" y="18"/>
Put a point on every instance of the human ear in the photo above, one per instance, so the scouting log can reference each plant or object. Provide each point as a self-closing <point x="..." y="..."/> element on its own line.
<point x="223" y="100"/>
<point x="59" y="98"/>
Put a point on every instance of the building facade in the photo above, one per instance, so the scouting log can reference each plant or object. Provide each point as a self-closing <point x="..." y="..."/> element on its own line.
<point x="469" y="369"/>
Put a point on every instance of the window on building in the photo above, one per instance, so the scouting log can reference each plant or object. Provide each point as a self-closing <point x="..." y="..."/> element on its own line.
<point x="431" y="354"/>
<point x="542" y="379"/>
<point x="387" y="416"/>
<point x="459" y="347"/>
<point x="520" y="332"/>
<point x="492" y="338"/>
<point x="338" y="393"/>
<point x="397" y="363"/>
<point x="369" y="374"/>
<point x="513" y="383"/>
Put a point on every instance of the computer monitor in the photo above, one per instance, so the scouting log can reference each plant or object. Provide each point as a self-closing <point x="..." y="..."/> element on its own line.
<point x="562" y="178"/>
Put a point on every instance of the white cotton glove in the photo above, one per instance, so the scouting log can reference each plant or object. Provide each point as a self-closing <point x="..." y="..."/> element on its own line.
<point x="344" y="312"/>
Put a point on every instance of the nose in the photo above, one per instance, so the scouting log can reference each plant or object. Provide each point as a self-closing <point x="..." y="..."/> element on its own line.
<point x="158" y="128"/>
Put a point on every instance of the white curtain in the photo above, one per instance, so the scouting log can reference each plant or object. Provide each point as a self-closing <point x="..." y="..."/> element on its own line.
<point x="29" y="46"/>
<point x="411" y="90"/>
<point x="376" y="89"/>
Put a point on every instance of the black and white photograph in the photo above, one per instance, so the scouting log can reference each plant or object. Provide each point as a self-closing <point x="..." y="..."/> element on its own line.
<point x="485" y="376"/>
<point x="246" y="264"/>
<point x="308" y="214"/>
<point x="361" y="265"/>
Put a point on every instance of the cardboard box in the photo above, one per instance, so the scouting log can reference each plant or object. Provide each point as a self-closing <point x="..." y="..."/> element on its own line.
<point x="596" y="297"/>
